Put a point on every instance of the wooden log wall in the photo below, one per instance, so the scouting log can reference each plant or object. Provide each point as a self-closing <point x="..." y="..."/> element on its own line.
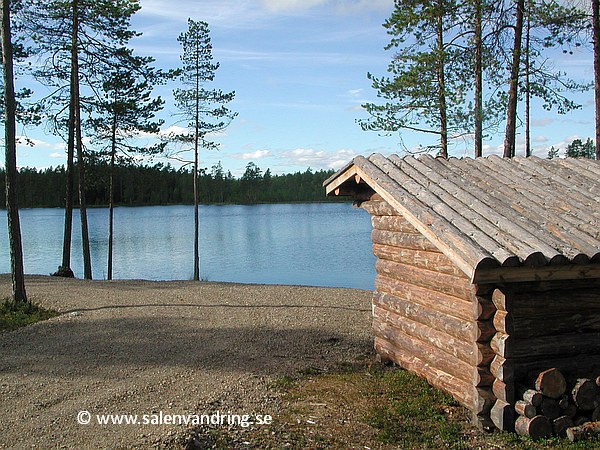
<point x="541" y="326"/>
<point x="427" y="316"/>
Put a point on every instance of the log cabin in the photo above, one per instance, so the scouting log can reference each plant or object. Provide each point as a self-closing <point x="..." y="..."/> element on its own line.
<point x="488" y="270"/>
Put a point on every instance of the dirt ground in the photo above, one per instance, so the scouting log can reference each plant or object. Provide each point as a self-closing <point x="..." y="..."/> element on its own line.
<point x="146" y="348"/>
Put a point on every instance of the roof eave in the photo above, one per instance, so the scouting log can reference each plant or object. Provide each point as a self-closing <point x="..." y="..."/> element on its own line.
<point x="501" y="275"/>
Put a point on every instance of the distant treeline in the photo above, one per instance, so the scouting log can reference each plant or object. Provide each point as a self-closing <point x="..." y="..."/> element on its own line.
<point x="163" y="185"/>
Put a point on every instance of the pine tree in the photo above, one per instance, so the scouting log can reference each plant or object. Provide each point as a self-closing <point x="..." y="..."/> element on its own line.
<point x="596" y="43"/>
<point x="511" y="115"/>
<point x="427" y="86"/>
<point x="125" y="111"/>
<point x="203" y="109"/>
<point x="579" y="149"/>
<point x="76" y="38"/>
<point x="19" y="293"/>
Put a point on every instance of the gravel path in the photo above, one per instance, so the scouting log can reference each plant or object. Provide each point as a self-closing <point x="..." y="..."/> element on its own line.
<point x="139" y="347"/>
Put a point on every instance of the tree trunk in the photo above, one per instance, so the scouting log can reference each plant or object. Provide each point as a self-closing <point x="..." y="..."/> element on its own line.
<point x="195" y="171"/>
<point x="511" y="117"/>
<point x="527" y="84"/>
<point x="65" y="269"/>
<point x="85" y="241"/>
<point x="12" y="209"/>
<point x="111" y="196"/>
<point x="442" y="87"/>
<point x="596" y="31"/>
<point x="478" y="81"/>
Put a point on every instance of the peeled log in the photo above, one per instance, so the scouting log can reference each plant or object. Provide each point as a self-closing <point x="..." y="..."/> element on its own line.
<point x="570" y="411"/>
<point x="551" y="383"/>
<point x="532" y="396"/>
<point x="561" y="424"/>
<point x="563" y="402"/>
<point x="596" y="414"/>
<point x="526" y="409"/>
<point x="549" y="408"/>
<point x="538" y="427"/>
<point x="586" y="394"/>
<point x="503" y="416"/>
<point x="585" y="431"/>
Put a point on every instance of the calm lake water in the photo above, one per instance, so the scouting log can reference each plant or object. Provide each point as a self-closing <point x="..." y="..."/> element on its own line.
<point x="317" y="244"/>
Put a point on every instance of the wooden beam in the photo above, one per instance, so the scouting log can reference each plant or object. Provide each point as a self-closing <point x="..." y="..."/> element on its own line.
<point x="340" y="179"/>
<point x="537" y="274"/>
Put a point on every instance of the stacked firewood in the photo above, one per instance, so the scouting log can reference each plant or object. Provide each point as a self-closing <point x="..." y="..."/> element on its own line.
<point x="553" y="407"/>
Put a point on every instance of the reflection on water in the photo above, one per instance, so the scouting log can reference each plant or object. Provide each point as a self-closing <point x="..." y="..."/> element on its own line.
<point x="308" y="244"/>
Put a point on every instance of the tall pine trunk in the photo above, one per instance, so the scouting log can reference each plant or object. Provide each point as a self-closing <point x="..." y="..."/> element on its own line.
<point x="111" y="195"/>
<point x="85" y="241"/>
<point x="196" y="209"/>
<point x="596" y="31"/>
<point x="12" y="208"/>
<point x="442" y="87"/>
<point x="511" y="116"/>
<point x="478" y="80"/>
<point x="528" y="83"/>
<point x="65" y="269"/>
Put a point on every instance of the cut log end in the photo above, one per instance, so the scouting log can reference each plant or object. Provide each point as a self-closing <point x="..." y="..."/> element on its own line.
<point x="582" y="432"/>
<point x="551" y="383"/>
<point x="538" y="427"/>
<point x="586" y="394"/>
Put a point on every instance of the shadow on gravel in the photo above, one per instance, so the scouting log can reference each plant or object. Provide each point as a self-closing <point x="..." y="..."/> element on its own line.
<point x="222" y="305"/>
<point x="81" y="347"/>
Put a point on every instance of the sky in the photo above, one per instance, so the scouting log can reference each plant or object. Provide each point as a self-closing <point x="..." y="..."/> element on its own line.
<point x="299" y="70"/>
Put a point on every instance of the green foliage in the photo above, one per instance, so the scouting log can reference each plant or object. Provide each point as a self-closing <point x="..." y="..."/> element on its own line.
<point x="203" y="109"/>
<point x="579" y="149"/>
<point x="427" y="86"/>
<point x="14" y="315"/>
<point x="126" y="109"/>
<point x="432" y="72"/>
<point x="552" y="153"/>
<point x="551" y="25"/>
<point x="162" y="184"/>
<point x="104" y="28"/>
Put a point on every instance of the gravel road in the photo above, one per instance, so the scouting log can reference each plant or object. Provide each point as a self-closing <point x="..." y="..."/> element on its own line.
<point x="139" y="347"/>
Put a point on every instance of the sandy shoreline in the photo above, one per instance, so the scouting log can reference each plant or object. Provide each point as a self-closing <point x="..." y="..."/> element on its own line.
<point x="177" y="347"/>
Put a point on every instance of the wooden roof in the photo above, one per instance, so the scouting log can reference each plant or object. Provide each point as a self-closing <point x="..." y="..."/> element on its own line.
<point x="518" y="219"/>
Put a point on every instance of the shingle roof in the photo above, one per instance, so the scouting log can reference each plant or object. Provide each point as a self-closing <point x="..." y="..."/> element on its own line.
<point x="491" y="212"/>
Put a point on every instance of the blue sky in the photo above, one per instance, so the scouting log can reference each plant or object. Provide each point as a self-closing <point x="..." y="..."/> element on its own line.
<point x="299" y="71"/>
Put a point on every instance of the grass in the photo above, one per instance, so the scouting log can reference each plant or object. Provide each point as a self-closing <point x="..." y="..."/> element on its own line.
<point x="374" y="407"/>
<point x="15" y="315"/>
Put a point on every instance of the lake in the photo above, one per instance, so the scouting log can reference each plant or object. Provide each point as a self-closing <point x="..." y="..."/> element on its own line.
<point x="317" y="244"/>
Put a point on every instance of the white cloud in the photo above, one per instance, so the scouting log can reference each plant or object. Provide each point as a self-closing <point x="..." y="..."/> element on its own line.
<point x="318" y="159"/>
<point x="174" y="129"/>
<point x="252" y="155"/>
<point x="56" y="155"/>
<point x="541" y="139"/>
<point x="291" y="5"/>
<point x="542" y="122"/>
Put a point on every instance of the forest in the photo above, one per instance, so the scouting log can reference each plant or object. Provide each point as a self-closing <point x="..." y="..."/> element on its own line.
<point x="162" y="184"/>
